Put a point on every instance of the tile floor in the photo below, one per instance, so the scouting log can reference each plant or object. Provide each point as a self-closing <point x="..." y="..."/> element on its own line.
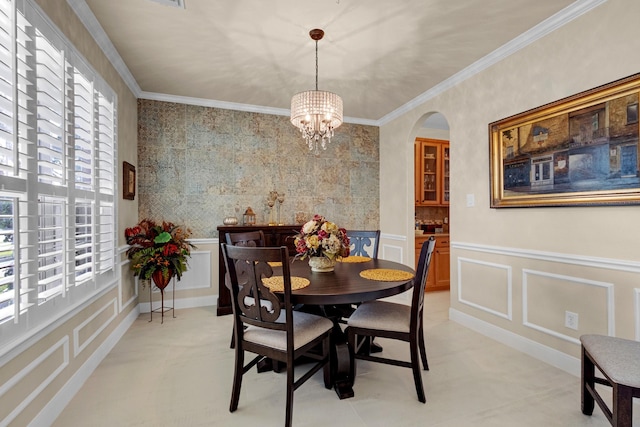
<point x="180" y="374"/>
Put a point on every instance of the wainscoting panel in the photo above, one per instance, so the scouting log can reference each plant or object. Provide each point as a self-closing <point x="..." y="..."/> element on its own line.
<point x="53" y="361"/>
<point x="493" y="294"/>
<point x="392" y="253"/>
<point x="198" y="275"/>
<point x="546" y="297"/>
<point x="127" y="286"/>
<point x="602" y="293"/>
<point x="91" y="327"/>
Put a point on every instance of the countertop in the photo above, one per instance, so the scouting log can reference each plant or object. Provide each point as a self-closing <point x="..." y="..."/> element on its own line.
<point x="426" y="235"/>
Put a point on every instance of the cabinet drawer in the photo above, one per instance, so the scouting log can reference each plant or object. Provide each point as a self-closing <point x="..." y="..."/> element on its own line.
<point x="442" y="242"/>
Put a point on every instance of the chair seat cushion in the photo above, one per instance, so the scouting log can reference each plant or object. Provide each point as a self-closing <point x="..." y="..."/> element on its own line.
<point x="306" y="328"/>
<point x="618" y="358"/>
<point x="382" y="315"/>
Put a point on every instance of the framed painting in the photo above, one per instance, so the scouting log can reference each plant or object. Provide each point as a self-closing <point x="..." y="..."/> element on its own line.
<point x="128" y="181"/>
<point x="578" y="151"/>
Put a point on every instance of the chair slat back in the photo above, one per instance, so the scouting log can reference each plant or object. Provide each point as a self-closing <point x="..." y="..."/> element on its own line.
<point x="245" y="239"/>
<point x="364" y="242"/>
<point x="249" y="238"/>
<point x="247" y="266"/>
<point x="420" y="281"/>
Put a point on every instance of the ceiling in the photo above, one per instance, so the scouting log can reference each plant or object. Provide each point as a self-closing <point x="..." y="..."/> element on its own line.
<point x="381" y="56"/>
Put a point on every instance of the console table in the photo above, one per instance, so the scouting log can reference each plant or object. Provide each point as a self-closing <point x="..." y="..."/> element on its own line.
<point x="274" y="235"/>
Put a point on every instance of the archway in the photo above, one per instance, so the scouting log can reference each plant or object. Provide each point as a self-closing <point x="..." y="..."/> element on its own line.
<point x="430" y="140"/>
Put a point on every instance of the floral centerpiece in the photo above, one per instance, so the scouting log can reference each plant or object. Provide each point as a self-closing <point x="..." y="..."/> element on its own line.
<point x="158" y="251"/>
<point x="319" y="239"/>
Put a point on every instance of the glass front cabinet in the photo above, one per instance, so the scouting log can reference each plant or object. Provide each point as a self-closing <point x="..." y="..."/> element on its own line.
<point x="432" y="172"/>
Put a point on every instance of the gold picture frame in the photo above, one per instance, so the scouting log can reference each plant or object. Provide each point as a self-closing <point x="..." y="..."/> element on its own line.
<point x="128" y="181"/>
<point x="578" y="151"/>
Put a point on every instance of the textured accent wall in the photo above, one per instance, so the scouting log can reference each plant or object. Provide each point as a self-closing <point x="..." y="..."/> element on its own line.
<point x="198" y="165"/>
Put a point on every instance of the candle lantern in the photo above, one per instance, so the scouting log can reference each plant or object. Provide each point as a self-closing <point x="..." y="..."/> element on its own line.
<point x="249" y="217"/>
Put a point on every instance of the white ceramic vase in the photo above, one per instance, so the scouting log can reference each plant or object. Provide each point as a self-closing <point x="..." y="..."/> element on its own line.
<point x="321" y="264"/>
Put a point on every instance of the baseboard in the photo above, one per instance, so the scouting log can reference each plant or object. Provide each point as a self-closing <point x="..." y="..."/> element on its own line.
<point x="181" y="303"/>
<point x="56" y="405"/>
<point x="541" y="352"/>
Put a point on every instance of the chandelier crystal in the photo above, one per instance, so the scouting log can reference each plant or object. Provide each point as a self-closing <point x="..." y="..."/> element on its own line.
<point x="316" y="112"/>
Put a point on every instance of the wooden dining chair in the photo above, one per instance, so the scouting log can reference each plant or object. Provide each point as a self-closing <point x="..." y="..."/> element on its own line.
<point x="364" y="242"/>
<point x="245" y="239"/>
<point x="618" y="360"/>
<point x="395" y="321"/>
<point x="279" y="333"/>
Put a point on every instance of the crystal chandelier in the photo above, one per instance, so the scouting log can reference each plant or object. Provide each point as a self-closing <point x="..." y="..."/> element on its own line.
<point x="316" y="112"/>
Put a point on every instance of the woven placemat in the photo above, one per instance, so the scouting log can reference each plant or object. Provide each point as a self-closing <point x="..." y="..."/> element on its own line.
<point x="355" y="258"/>
<point x="386" y="275"/>
<point x="276" y="283"/>
<point x="275" y="264"/>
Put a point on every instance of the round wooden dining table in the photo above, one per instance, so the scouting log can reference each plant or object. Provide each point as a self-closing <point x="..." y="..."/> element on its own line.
<point x="342" y="286"/>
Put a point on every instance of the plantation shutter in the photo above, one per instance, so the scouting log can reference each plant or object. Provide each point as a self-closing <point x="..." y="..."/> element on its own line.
<point x="57" y="173"/>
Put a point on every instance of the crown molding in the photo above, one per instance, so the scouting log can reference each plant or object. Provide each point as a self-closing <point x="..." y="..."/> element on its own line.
<point x="92" y="25"/>
<point x="547" y="26"/>
<point x="174" y="3"/>
<point x="203" y="102"/>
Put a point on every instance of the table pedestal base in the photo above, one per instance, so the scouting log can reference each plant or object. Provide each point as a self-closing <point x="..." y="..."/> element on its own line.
<point x="343" y="383"/>
<point x="266" y="365"/>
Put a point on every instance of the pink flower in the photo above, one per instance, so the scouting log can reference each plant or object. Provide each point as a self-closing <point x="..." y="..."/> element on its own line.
<point x="319" y="237"/>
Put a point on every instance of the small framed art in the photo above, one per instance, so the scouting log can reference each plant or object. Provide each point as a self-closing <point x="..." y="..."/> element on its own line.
<point x="128" y="181"/>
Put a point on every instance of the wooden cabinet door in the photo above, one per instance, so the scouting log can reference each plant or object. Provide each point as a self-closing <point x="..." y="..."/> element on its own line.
<point x="430" y="167"/>
<point x="431" y="277"/>
<point x="431" y="172"/>
<point x="419" y="241"/>
<point x="417" y="150"/>
<point x="438" y="277"/>
<point x="445" y="175"/>
<point x="442" y="272"/>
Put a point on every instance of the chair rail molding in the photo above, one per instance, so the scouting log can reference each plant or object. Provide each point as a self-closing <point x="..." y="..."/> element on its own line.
<point x="587" y="261"/>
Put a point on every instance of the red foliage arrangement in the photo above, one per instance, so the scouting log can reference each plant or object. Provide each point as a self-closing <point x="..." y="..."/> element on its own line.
<point x="158" y="247"/>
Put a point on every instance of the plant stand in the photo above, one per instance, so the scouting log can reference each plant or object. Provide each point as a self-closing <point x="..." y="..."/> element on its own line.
<point x="162" y="309"/>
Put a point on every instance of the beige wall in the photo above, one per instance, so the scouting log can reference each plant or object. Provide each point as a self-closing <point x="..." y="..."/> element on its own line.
<point x="519" y="270"/>
<point x="52" y="357"/>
